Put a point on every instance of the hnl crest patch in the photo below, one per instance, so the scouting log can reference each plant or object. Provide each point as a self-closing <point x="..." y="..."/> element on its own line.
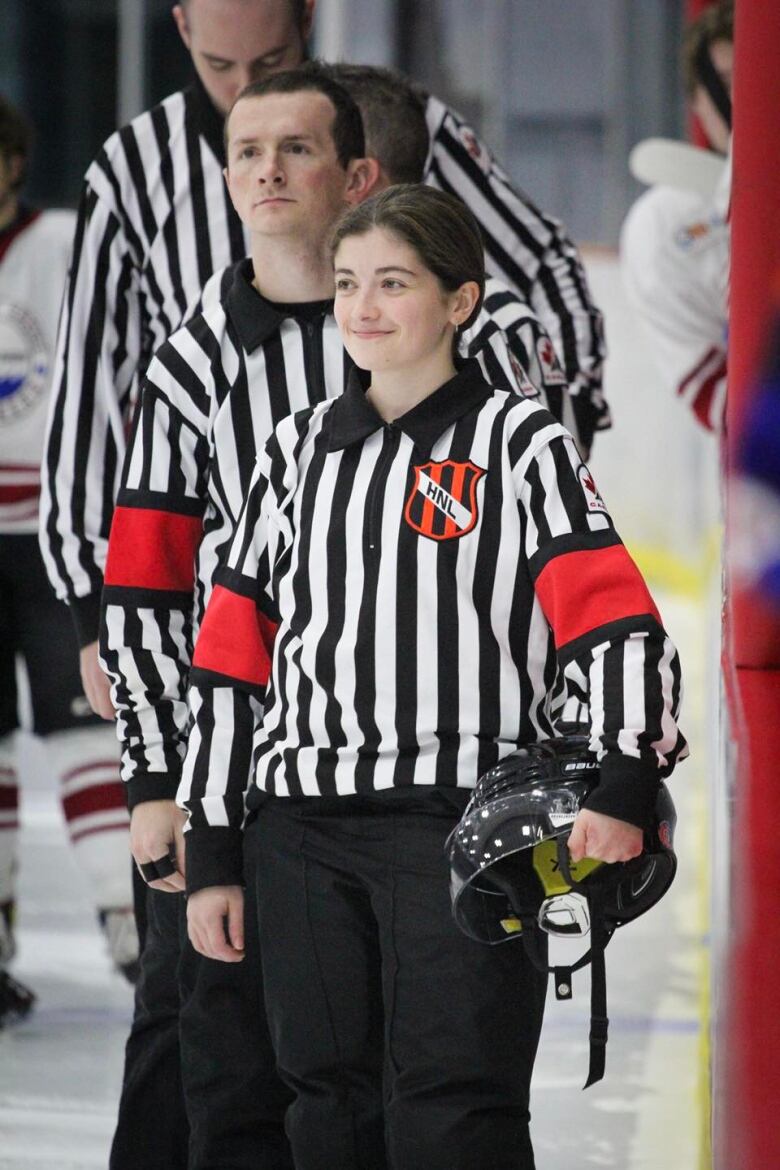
<point x="442" y="504"/>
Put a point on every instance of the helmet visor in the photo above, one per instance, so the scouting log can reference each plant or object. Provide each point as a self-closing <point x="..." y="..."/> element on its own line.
<point x="517" y="820"/>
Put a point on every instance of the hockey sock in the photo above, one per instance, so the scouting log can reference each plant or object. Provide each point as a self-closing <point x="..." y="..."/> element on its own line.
<point x="86" y="761"/>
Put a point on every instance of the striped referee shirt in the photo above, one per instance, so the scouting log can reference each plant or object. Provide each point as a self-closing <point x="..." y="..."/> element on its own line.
<point x="396" y="609"/>
<point x="155" y="222"/>
<point x="213" y="394"/>
<point x="529" y="251"/>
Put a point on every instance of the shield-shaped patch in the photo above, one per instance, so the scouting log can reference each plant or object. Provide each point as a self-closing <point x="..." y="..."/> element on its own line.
<point x="552" y="374"/>
<point x="442" y="504"/>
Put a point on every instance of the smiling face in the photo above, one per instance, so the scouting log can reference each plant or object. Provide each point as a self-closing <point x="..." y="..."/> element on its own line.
<point x="283" y="171"/>
<point x="233" y="42"/>
<point x="392" y="311"/>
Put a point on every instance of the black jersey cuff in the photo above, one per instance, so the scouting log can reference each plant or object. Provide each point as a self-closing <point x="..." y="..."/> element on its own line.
<point x="627" y="789"/>
<point x="214" y="857"/>
<point x="146" y="786"/>
<point x="85" y="612"/>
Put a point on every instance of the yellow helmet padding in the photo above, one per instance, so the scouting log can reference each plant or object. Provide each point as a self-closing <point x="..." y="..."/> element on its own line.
<point x="545" y="859"/>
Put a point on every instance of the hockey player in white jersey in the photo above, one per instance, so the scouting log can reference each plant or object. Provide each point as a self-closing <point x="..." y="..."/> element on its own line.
<point x="675" y="240"/>
<point x="34" y="251"/>
<point x="674" y="258"/>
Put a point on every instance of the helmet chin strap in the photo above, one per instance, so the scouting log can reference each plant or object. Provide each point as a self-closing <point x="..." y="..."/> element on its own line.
<point x="600" y="934"/>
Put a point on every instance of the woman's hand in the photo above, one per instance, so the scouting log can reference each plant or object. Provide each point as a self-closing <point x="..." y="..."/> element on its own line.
<point x="215" y="922"/>
<point x="603" y="838"/>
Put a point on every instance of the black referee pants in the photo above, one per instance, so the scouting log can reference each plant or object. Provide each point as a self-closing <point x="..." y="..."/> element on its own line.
<point x="200" y="1089"/>
<point x="152" y="1129"/>
<point x="408" y="1046"/>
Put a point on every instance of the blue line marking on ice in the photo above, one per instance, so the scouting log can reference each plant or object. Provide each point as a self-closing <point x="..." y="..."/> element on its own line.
<point x="679" y="1027"/>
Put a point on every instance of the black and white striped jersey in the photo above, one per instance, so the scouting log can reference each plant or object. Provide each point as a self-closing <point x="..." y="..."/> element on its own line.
<point x="516" y="352"/>
<point x="530" y="251"/>
<point x="155" y="222"/>
<point x="397" y="608"/>
<point x="212" y="396"/>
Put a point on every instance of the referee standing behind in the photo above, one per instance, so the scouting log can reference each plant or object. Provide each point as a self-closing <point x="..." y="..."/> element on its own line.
<point x="155" y="222"/>
<point x="264" y="345"/>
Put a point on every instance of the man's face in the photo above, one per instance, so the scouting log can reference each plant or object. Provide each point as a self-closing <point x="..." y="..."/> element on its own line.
<point x="233" y="42"/>
<point x="283" y="172"/>
<point x="713" y="125"/>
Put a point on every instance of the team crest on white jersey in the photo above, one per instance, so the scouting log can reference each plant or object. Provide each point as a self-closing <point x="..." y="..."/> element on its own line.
<point x="593" y="499"/>
<point x="552" y="374"/>
<point x="442" y="504"/>
<point x="695" y="237"/>
<point x="24" y="363"/>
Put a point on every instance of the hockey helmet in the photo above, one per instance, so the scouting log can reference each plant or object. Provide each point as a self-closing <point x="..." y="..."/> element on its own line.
<point x="510" y="872"/>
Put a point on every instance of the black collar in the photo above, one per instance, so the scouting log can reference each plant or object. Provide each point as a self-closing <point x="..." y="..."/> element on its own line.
<point x="209" y="122"/>
<point x="256" y="318"/>
<point x="354" y="418"/>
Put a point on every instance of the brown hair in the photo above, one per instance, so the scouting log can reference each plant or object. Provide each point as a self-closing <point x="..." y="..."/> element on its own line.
<point x="393" y="116"/>
<point x="15" y="135"/>
<point x="440" y="228"/>
<point x="713" y="24"/>
<point x="347" y="129"/>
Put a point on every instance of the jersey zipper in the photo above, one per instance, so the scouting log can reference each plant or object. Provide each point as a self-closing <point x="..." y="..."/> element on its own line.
<point x="313" y="362"/>
<point x="391" y="436"/>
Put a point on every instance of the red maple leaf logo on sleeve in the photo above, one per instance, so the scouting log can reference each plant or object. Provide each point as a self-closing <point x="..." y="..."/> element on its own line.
<point x="593" y="499"/>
